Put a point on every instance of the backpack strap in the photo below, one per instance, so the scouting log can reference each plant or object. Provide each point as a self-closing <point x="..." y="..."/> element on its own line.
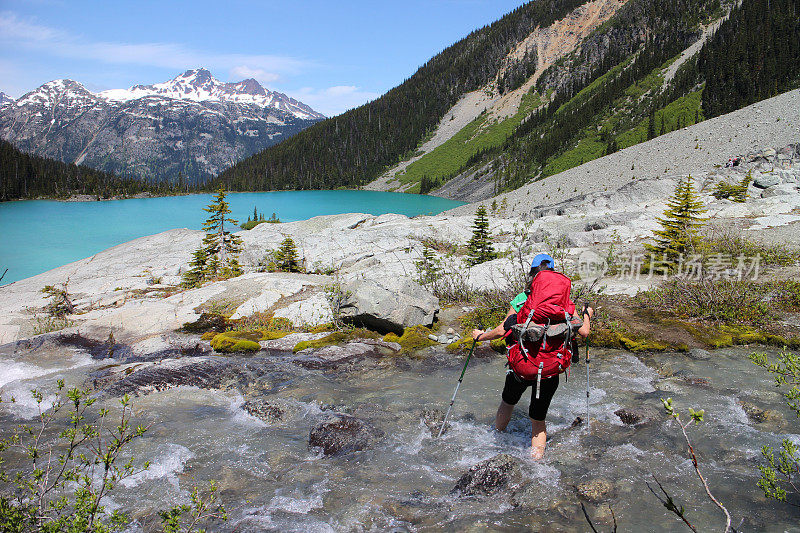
<point x="519" y="339"/>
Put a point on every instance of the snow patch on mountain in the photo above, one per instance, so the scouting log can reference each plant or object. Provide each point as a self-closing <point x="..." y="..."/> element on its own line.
<point x="5" y="99"/>
<point x="198" y="85"/>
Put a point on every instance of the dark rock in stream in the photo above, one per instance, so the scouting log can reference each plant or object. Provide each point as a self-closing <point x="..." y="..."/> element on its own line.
<point x="118" y="380"/>
<point x="761" y="416"/>
<point x="699" y="354"/>
<point x="595" y="490"/>
<point x="264" y="410"/>
<point x="633" y="416"/>
<point x="343" y="434"/>
<point x="488" y="476"/>
<point x="335" y="356"/>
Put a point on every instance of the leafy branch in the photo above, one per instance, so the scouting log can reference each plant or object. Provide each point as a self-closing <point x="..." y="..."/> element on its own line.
<point x="694" y="417"/>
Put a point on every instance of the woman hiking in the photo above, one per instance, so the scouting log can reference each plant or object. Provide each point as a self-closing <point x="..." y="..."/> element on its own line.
<point x="533" y="362"/>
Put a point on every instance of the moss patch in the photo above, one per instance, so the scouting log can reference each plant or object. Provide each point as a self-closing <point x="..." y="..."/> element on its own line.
<point x="413" y="339"/>
<point x="461" y="345"/>
<point x="627" y="340"/>
<point x="224" y="343"/>
<point x="337" y="337"/>
<point x="272" y="335"/>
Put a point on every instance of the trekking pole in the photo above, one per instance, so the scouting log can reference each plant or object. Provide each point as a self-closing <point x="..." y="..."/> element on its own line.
<point x="453" y="399"/>
<point x="588" y="422"/>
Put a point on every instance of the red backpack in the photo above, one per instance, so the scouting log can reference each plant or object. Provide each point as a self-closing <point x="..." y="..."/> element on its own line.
<point x="543" y="334"/>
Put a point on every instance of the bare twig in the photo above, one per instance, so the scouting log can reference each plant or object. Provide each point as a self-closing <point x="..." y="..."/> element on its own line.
<point x="668" y="502"/>
<point x="613" y="517"/>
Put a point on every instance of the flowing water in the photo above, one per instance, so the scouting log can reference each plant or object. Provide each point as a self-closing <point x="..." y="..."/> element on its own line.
<point x="38" y="235"/>
<point x="271" y="480"/>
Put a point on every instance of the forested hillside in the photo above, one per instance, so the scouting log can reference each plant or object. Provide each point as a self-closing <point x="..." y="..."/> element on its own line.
<point x="753" y="56"/>
<point x="351" y="149"/>
<point x="608" y="94"/>
<point x="25" y="176"/>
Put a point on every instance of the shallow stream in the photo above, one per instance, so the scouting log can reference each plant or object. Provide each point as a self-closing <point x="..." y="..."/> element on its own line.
<point x="271" y="480"/>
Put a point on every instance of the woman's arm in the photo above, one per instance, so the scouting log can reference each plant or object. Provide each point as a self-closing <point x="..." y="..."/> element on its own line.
<point x="492" y="334"/>
<point x="584" y="330"/>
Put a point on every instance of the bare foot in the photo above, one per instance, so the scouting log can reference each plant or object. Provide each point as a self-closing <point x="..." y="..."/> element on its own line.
<point x="537" y="452"/>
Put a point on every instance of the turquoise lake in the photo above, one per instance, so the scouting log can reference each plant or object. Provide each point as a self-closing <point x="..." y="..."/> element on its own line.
<point x="38" y="235"/>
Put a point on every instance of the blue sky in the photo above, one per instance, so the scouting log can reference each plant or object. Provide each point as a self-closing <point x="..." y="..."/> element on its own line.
<point x="331" y="55"/>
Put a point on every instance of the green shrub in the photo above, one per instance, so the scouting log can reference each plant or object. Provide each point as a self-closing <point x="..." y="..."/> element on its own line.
<point x="732" y="243"/>
<point x="737" y="193"/>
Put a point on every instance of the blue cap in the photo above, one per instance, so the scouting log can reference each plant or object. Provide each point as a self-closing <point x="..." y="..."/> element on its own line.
<point x="543" y="258"/>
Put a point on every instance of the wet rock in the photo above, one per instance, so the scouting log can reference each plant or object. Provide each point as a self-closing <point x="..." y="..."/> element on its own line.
<point x="633" y="416"/>
<point x="390" y="304"/>
<point x="433" y="418"/>
<point x="343" y="434"/>
<point x="264" y="410"/>
<point x="336" y="355"/>
<point x="760" y="416"/>
<point x="488" y="476"/>
<point x="140" y="378"/>
<point x="699" y="354"/>
<point x="595" y="490"/>
<point x="700" y="382"/>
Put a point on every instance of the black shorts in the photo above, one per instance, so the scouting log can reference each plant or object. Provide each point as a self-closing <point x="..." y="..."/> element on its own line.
<point x="515" y="387"/>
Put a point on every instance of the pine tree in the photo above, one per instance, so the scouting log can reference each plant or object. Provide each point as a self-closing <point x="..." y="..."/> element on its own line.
<point x="286" y="258"/>
<point x="680" y="223"/>
<point x="480" y="246"/>
<point x="220" y="245"/>
<point x="195" y="276"/>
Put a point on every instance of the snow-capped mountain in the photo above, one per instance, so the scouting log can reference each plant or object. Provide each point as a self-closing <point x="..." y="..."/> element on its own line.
<point x="5" y="99"/>
<point x="200" y="86"/>
<point x="192" y="126"/>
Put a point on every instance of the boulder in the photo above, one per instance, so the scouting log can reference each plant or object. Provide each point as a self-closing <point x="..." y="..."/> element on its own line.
<point x="389" y="304"/>
<point x="780" y="190"/>
<point x="310" y="312"/>
<point x="343" y="434"/>
<point x="141" y="378"/>
<point x="764" y="181"/>
<point x="488" y="476"/>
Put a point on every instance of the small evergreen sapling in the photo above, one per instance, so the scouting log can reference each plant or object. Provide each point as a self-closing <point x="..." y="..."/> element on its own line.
<point x="680" y="225"/>
<point x="285" y="258"/>
<point x="479" y="246"/>
<point x="217" y="257"/>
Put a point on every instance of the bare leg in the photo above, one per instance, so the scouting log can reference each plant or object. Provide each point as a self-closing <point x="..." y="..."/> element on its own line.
<point x="539" y="439"/>
<point x="503" y="415"/>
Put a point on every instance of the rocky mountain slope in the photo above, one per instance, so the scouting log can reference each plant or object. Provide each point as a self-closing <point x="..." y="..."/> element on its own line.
<point x="551" y="85"/>
<point x="5" y="99"/>
<point x="192" y="126"/>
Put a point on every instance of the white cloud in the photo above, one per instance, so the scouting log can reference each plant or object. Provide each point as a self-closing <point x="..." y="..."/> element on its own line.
<point x="334" y="100"/>
<point x="16" y="32"/>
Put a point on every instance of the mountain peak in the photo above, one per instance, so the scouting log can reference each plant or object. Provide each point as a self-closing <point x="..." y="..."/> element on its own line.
<point x="199" y="85"/>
